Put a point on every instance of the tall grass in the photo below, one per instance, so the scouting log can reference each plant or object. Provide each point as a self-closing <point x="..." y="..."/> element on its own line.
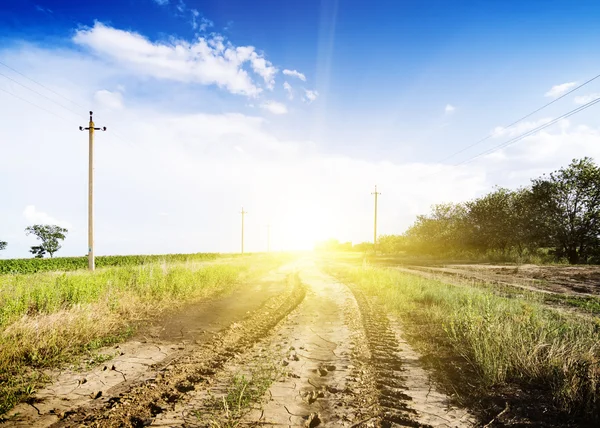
<point x="504" y="340"/>
<point x="47" y="318"/>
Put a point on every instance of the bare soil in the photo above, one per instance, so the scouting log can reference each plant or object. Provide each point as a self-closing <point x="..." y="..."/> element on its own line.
<point x="335" y="357"/>
<point x="580" y="281"/>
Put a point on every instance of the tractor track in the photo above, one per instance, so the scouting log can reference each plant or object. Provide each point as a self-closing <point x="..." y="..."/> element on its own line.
<point x="138" y="405"/>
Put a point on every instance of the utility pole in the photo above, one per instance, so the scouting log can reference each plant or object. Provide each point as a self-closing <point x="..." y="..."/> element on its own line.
<point x="268" y="238"/>
<point x="91" y="129"/>
<point x="243" y="213"/>
<point x="376" y="193"/>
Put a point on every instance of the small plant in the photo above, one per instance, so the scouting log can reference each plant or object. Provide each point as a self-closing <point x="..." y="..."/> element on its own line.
<point x="243" y="391"/>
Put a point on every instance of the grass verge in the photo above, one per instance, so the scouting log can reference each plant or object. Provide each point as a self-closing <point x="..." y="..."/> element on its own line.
<point x="499" y="341"/>
<point x="47" y="318"/>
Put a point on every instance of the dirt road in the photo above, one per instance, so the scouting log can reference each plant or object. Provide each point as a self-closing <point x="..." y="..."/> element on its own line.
<point x="301" y="351"/>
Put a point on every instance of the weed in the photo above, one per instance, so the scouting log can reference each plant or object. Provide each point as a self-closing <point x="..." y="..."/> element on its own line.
<point x="243" y="391"/>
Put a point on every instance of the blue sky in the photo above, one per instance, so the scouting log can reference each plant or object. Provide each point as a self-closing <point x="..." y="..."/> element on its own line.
<point x="292" y="109"/>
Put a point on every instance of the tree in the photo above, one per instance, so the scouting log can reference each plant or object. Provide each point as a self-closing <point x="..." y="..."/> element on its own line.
<point x="569" y="202"/>
<point x="3" y="245"/>
<point x="50" y="235"/>
<point x="38" y="251"/>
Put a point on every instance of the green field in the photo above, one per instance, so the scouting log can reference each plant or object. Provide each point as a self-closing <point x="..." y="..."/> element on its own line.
<point x="75" y="263"/>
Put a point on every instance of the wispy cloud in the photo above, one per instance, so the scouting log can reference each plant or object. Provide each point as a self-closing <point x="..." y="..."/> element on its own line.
<point x="289" y="90"/>
<point x="584" y="99"/>
<point x="161" y="2"/>
<point x="208" y="61"/>
<point x="274" y="107"/>
<point x="310" y="96"/>
<point x="558" y="90"/>
<point x="295" y="73"/>
<point x="42" y="9"/>
<point x="449" y="109"/>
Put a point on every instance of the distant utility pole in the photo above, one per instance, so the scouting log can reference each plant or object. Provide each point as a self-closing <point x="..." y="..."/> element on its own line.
<point x="243" y="213"/>
<point x="91" y="129"/>
<point x="376" y="193"/>
<point x="268" y="238"/>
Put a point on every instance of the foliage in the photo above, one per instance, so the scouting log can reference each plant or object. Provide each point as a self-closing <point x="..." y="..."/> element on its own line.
<point x="3" y="245"/>
<point x="333" y="245"/>
<point x="559" y="212"/>
<point x="50" y="235"/>
<point x="38" y="251"/>
<point x="74" y="263"/>
<point x="570" y="201"/>
<point x="502" y="340"/>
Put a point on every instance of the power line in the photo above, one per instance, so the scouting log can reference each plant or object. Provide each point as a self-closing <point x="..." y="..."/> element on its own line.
<point x="490" y="135"/>
<point x="531" y="132"/>
<point x="117" y="135"/>
<point x="43" y="86"/>
<point x="40" y="107"/>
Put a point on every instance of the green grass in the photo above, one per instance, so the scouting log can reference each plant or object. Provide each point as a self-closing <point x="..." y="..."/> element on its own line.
<point x="46" y="319"/>
<point x="501" y="340"/>
<point x="74" y="263"/>
<point x="244" y="390"/>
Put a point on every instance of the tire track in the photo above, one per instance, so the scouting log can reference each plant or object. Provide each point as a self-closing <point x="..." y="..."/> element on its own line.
<point x="405" y="394"/>
<point x="393" y="401"/>
<point x="137" y="406"/>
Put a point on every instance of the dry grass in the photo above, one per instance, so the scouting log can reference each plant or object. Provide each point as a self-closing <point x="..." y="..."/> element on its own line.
<point x="46" y="319"/>
<point x="502" y="341"/>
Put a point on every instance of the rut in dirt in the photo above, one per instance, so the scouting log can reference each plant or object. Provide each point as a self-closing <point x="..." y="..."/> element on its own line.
<point x="138" y="405"/>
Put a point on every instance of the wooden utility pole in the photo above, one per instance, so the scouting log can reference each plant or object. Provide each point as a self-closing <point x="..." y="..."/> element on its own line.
<point x="91" y="129"/>
<point x="243" y="213"/>
<point x="375" y="223"/>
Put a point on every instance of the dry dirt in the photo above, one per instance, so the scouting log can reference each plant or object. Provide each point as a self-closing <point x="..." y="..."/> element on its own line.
<point x="334" y="358"/>
<point x="568" y="280"/>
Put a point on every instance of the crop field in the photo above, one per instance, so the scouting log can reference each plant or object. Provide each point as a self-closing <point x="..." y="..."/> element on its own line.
<point x="305" y="339"/>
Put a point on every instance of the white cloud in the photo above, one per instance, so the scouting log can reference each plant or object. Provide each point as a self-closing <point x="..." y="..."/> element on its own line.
<point x="449" y="109"/>
<point x="584" y="99"/>
<point x="208" y="61"/>
<point x="181" y="6"/>
<point x="182" y="150"/>
<point x="161" y="2"/>
<point x="205" y="24"/>
<point x="519" y="128"/>
<point x="289" y="90"/>
<point x="109" y="100"/>
<point x="34" y="216"/>
<point x="558" y="90"/>
<point x="310" y="96"/>
<point x="274" y="107"/>
<point x="295" y="73"/>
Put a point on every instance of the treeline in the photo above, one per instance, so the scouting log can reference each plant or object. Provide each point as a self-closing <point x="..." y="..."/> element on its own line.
<point x="74" y="263"/>
<point x="557" y="216"/>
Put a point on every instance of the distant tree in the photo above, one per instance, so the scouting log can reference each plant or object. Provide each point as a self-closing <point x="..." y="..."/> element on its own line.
<point x="363" y="247"/>
<point x="3" y="245"/>
<point x="391" y="244"/>
<point x="38" y="251"/>
<point x="569" y="202"/>
<point x="50" y="235"/>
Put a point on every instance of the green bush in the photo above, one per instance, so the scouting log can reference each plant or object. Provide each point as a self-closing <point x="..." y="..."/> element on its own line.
<point x="75" y="263"/>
